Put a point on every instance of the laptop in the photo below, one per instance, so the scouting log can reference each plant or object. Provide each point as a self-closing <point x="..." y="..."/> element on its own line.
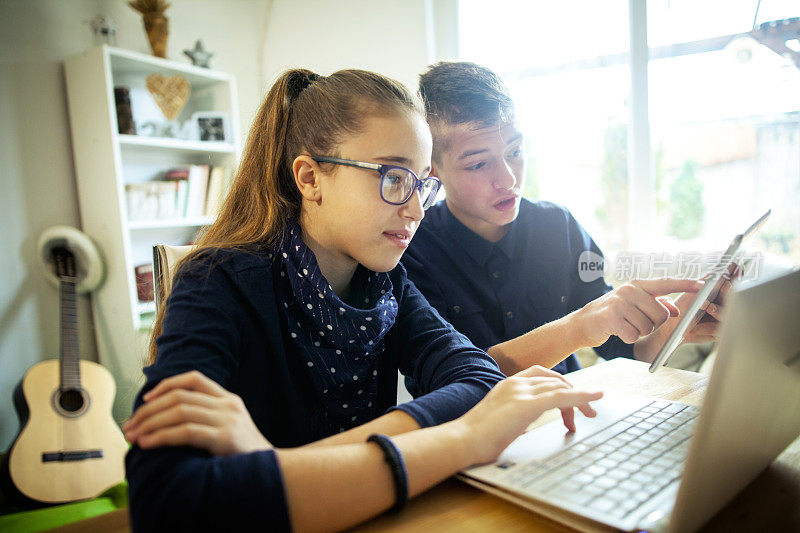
<point x="715" y="279"/>
<point x="651" y="465"/>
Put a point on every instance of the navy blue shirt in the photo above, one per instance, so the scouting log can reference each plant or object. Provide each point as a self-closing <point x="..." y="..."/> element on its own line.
<point x="494" y="292"/>
<point x="223" y="320"/>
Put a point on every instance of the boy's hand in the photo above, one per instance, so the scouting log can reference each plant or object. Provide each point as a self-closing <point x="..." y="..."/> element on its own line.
<point x="705" y="330"/>
<point x="631" y="311"/>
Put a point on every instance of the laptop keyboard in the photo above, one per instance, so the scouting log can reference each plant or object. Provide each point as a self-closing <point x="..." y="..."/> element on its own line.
<point x="617" y="469"/>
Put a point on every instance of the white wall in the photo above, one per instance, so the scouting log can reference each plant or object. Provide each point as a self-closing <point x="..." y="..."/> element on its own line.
<point x="388" y="36"/>
<point x="253" y="39"/>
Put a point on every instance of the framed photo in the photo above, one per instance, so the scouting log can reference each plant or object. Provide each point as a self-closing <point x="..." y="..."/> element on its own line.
<point x="209" y="126"/>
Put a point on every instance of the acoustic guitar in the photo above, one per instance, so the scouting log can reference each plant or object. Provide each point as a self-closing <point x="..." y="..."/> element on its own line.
<point x="69" y="447"/>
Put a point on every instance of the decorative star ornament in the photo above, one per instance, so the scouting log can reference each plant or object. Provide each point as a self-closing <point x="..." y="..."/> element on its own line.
<point x="198" y="55"/>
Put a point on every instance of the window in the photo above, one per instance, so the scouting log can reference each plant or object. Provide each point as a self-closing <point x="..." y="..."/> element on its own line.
<point x="572" y="109"/>
<point x="724" y="114"/>
<point x="725" y="124"/>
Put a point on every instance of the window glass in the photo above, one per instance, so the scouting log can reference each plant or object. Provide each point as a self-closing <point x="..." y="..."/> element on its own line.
<point x="725" y="129"/>
<point x="724" y="113"/>
<point x="570" y="79"/>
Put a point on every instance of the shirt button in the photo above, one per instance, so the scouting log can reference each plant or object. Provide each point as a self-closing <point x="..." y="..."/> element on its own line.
<point x="509" y="315"/>
<point x="496" y="274"/>
<point x="563" y="299"/>
<point x="456" y="309"/>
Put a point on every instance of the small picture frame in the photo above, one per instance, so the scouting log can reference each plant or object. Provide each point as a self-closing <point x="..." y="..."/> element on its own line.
<point x="211" y="126"/>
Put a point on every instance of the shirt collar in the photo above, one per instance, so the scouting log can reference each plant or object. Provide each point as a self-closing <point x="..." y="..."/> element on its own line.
<point x="506" y="244"/>
<point x="473" y="244"/>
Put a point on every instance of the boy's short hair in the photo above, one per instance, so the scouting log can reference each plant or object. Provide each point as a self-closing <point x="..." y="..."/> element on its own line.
<point x="460" y="92"/>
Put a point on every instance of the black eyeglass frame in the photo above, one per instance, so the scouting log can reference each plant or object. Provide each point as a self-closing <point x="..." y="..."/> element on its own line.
<point x="383" y="170"/>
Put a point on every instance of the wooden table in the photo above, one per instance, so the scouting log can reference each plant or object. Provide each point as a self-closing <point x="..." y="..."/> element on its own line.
<point x="770" y="503"/>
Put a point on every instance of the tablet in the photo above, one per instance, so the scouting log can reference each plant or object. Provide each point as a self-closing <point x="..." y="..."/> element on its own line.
<point x="715" y="279"/>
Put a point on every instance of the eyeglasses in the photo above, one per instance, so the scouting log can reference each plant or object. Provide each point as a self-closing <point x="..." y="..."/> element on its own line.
<point x="397" y="183"/>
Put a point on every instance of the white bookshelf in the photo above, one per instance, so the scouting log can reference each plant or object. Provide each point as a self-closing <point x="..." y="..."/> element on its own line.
<point x="133" y="142"/>
<point x="106" y="161"/>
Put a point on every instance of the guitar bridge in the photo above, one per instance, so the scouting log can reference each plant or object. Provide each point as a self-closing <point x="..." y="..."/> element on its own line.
<point x="81" y="455"/>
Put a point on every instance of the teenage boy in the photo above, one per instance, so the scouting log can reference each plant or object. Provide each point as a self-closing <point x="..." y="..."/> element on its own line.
<point x="505" y="271"/>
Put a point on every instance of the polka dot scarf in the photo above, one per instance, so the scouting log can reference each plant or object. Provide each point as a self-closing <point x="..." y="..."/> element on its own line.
<point x="339" y="343"/>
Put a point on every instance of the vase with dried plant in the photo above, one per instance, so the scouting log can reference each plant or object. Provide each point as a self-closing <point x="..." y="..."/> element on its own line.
<point x="155" y="23"/>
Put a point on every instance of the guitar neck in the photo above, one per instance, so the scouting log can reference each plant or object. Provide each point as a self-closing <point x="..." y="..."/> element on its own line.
<point x="70" y="359"/>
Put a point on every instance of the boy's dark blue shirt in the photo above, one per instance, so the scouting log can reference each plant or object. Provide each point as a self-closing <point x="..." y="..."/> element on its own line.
<point x="223" y="319"/>
<point x="494" y="292"/>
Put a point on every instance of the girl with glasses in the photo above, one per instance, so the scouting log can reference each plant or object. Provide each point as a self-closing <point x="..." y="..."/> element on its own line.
<point x="271" y="390"/>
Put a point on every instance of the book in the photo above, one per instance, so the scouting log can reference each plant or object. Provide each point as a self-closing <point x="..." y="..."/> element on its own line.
<point x="177" y="174"/>
<point x="181" y="198"/>
<point x="216" y="184"/>
<point x="167" y="198"/>
<point x="181" y="178"/>
<point x="144" y="282"/>
<point x="151" y="200"/>
<point x="198" y="187"/>
<point x="138" y="202"/>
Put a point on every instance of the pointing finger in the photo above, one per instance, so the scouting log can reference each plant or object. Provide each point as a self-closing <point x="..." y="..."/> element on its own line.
<point x="669" y="303"/>
<point x="568" y="415"/>
<point x="664" y="286"/>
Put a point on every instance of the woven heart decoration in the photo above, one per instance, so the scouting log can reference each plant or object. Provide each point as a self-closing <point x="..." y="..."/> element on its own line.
<point x="171" y="94"/>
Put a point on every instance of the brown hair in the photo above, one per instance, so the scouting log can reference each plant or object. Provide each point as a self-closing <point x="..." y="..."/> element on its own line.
<point x="303" y="113"/>
<point x="460" y="92"/>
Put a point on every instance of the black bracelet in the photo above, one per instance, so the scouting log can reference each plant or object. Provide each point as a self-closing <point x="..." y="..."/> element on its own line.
<point x="398" y="466"/>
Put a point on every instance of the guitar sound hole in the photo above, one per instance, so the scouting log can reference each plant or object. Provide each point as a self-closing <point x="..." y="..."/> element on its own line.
<point x="71" y="401"/>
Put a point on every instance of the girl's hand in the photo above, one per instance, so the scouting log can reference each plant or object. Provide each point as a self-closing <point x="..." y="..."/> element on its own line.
<point x="517" y="401"/>
<point x="192" y="410"/>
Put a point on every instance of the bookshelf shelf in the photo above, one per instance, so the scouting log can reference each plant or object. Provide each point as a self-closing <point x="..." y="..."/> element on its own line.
<point x="109" y="165"/>
<point x="146" y="307"/>
<point x="165" y="143"/>
<point x="143" y="64"/>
